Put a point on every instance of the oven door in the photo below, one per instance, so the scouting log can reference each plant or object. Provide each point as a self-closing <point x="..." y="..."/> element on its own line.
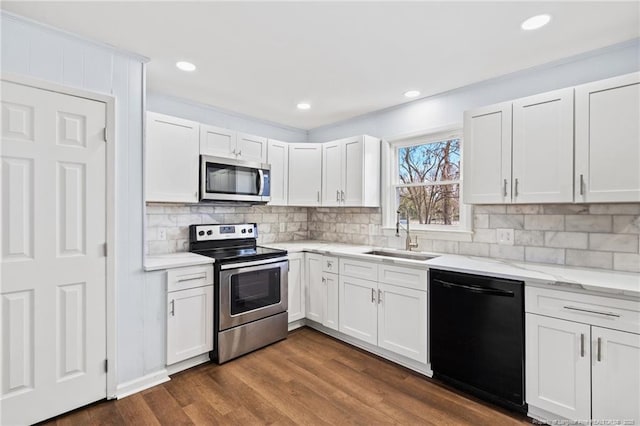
<point x="224" y="179"/>
<point x="250" y="291"/>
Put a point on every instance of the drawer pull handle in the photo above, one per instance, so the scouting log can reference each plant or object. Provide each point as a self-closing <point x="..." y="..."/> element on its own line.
<point x="173" y="308"/>
<point x="379" y="297"/>
<point x="582" y="345"/>
<point x="608" y="314"/>
<point x="599" y="349"/>
<point x="191" y="277"/>
<point x="373" y="296"/>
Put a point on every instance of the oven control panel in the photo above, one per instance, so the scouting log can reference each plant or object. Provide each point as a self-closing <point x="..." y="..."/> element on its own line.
<point x="224" y="232"/>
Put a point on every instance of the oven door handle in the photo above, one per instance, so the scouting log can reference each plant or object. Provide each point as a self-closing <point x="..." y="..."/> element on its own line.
<point x="474" y="289"/>
<point x="226" y="266"/>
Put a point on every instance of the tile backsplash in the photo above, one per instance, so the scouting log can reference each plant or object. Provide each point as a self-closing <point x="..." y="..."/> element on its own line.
<point x="597" y="235"/>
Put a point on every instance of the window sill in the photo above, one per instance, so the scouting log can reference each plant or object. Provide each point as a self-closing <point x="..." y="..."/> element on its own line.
<point x="434" y="234"/>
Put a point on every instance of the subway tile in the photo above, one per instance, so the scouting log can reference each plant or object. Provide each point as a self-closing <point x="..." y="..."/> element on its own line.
<point x="490" y="209"/>
<point x="627" y="224"/>
<point x="524" y="209"/>
<point x="590" y="223"/>
<point x="444" y="246"/>
<point x="528" y="238"/>
<point x="161" y="220"/>
<point x="575" y="240"/>
<point x="626" y="262"/>
<point x="510" y="221"/>
<point x="589" y="259"/>
<point x="500" y="251"/>
<point x="614" y="242"/>
<point x="473" y="249"/>
<point x="484" y="236"/>
<point x="615" y="208"/>
<point x="544" y="222"/>
<point x="565" y="209"/>
<point x="480" y="221"/>
<point x="544" y="255"/>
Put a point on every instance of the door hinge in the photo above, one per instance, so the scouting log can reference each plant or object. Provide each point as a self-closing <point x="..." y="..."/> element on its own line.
<point x="104" y="134"/>
<point x="106" y="365"/>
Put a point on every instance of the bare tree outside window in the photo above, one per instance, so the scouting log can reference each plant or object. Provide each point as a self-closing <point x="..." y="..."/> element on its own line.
<point x="428" y="186"/>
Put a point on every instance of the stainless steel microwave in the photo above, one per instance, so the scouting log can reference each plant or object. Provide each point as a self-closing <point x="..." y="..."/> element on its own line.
<point x="226" y="179"/>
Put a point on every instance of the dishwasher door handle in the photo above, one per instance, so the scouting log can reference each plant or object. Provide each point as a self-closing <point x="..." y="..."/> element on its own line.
<point x="473" y="289"/>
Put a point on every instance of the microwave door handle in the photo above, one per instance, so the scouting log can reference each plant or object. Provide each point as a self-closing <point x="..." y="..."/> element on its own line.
<point x="260" y="181"/>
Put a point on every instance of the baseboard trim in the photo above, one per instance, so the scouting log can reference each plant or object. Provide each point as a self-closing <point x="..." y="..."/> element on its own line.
<point x="125" y="389"/>
<point x="296" y="324"/>
<point x="187" y="363"/>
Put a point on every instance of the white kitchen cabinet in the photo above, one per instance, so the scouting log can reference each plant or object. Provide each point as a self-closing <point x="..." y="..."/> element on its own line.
<point x="305" y="174"/>
<point x="315" y="287"/>
<point x="296" y="287"/>
<point x="359" y="308"/>
<point x="219" y="142"/>
<point x="402" y="321"/>
<point x="487" y="155"/>
<point x="251" y="148"/>
<point x="607" y="145"/>
<point x="558" y="362"/>
<point x="616" y="375"/>
<point x="331" y="300"/>
<point x="171" y="159"/>
<point x="351" y="172"/>
<point x="542" y="148"/>
<point x="278" y="158"/>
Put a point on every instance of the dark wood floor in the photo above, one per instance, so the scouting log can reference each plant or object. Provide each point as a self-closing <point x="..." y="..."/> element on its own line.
<point x="309" y="379"/>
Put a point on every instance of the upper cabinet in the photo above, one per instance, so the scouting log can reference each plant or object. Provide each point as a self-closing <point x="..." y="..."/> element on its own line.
<point x="278" y="157"/>
<point x="305" y="174"/>
<point x="523" y="151"/>
<point x="171" y="166"/>
<point x="219" y="142"/>
<point x="608" y="140"/>
<point x="351" y="172"/>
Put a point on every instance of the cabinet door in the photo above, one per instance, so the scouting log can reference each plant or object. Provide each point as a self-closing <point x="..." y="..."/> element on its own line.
<point x="353" y="172"/>
<point x="172" y="159"/>
<point x="251" y="148"/>
<point x="359" y="308"/>
<point x="315" y="287"/>
<point x="331" y="304"/>
<point x="278" y="157"/>
<point x="295" y="287"/>
<point x="558" y="366"/>
<point x="608" y="140"/>
<point x="189" y="323"/>
<point x="615" y="375"/>
<point x="217" y="141"/>
<point x="487" y="155"/>
<point x="402" y="321"/>
<point x="332" y="170"/>
<point x="305" y="174"/>
<point x="543" y="148"/>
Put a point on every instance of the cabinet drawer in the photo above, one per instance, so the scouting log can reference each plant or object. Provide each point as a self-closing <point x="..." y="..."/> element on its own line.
<point x="359" y="269"/>
<point x="189" y="277"/>
<point x="330" y="264"/>
<point x="585" y="308"/>
<point x="402" y="276"/>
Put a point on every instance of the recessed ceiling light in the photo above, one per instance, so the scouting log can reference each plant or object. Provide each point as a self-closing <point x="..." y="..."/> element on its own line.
<point x="536" y="22"/>
<point x="412" y="93"/>
<point x="303" y="105"/>
<point x="185" y="66"/>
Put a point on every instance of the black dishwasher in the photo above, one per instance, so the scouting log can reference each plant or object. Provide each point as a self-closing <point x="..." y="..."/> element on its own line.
<point x="477" y="335"/>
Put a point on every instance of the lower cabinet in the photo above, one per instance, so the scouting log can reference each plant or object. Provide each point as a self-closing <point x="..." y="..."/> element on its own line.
<point x="296" y="287"/>
<point x="578" y="366"/>
<point x="322" y="290"/>
<point x="331" y="305"/>
<point x="359" y="309"/>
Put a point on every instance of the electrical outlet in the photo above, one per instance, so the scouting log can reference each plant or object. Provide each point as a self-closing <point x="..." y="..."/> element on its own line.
<point x="162" y="234"/>
<point x="505" y="236"/>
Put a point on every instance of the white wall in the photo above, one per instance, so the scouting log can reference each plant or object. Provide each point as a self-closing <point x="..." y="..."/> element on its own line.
<point x="38" y="51"/>
<point x="447" y="108"/>
<point x="214" y="116"/>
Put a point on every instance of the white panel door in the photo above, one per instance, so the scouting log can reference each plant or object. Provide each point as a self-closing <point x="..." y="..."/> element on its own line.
<point x="251" y="148"/>
<point x="217" y="141"/>
<point x="315" y="287"/>
<point x="543" y="148"/>
<point x="358" y="310"/>
<point x="53" y="216"/>
<point x="332" y="170"/>
<point x="171" y="159"/>
<point x="278" y="158"/>
<point x="353" y="172"/>
<point x="558" y="367"/>
<point x="402" y="321"/>
<point x="608" y="140"/>
<point x="305" y="174"/>
<point x="487" y="155"/>
<point x="296" y="287"/>
<point x="189" y="323"/>
<point x="615" y="375"/>
<point x="331" y="301"/>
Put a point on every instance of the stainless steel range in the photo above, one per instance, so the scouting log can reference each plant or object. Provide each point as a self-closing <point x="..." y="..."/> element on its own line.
<point x="250" y="288"/>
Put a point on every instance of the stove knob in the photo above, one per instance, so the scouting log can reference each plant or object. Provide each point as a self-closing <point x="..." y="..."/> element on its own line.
<point x="209" y="232"/>
<point x="251" y="230"/>
<point x="201" y="233"/>
<point x="244" y="231"/>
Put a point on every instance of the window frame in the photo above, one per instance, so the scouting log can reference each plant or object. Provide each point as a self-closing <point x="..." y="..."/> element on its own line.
<point x="391" y="180"/>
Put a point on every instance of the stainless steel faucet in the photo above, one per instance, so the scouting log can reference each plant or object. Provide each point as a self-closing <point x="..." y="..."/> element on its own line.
<point x="408" y="243"/>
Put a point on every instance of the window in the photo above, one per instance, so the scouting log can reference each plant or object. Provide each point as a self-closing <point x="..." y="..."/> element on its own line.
<point x="426" y="182"/>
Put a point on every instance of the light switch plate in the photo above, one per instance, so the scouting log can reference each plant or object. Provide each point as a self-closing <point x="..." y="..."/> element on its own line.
<point x="505" y="236"/>
<point x="162" y="234"/>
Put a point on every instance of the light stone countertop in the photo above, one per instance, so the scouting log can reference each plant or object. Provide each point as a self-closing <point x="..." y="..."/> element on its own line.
<point x="174" y="260"/>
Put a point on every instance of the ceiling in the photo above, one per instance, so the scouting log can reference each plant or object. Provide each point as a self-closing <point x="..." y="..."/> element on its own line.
<point x="344" y="58"/>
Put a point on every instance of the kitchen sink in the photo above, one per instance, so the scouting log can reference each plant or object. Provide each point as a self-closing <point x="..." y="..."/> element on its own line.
<point x="401" y="254"/>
